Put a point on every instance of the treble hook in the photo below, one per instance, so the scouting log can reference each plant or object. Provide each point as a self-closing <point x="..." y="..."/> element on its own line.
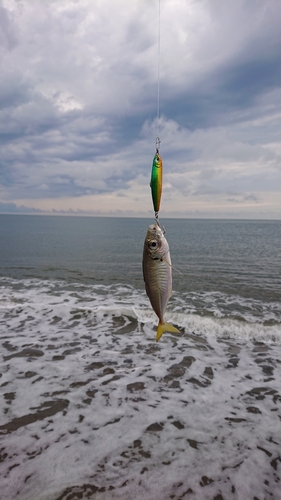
<point x="158" y="223"/>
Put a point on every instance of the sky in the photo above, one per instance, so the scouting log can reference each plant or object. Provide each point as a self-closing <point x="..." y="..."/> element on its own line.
<point x="79" y="107"/>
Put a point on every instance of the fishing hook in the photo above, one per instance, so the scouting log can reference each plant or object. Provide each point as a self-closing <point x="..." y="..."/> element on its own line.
<point x="158" y="223"/>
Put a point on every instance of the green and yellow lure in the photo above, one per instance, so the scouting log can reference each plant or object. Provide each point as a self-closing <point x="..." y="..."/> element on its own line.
<point x="156" y="181"/>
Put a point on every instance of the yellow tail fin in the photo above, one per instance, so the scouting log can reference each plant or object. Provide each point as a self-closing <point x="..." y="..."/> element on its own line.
<point x="165" y="327"/>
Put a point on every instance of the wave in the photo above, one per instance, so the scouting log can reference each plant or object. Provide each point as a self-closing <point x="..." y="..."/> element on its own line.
<point x="122" y="309"/>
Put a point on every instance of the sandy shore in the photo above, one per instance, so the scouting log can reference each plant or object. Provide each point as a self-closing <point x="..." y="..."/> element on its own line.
<point x="92" y="407"/>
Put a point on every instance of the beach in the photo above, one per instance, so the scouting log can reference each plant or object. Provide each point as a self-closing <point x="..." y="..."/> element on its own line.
<point x="95" y="408"/>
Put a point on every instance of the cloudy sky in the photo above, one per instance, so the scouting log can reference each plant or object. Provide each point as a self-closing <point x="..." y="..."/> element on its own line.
<point x="78" y="104"/>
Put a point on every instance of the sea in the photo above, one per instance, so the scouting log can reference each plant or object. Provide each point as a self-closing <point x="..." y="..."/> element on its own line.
<point x="92" y="407"/>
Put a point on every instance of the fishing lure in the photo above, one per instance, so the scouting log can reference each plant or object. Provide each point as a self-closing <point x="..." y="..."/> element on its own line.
<point x="156" y="181"/>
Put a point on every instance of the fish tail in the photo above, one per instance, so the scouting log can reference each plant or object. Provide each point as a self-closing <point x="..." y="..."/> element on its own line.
<point x="165" y="327"/>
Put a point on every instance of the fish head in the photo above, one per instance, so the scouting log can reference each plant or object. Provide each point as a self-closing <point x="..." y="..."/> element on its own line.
<point x="155" y="243"/>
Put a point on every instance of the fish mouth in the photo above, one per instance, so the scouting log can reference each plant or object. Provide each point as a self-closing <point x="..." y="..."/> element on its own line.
<point x="155" y="229"/>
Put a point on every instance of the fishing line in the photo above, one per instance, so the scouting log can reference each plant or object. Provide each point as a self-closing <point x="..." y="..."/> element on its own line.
<point x="156" y="172"/>
<point x="158" y="81"/>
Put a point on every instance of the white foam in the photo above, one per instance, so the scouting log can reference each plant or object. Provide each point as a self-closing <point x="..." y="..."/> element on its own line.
<point x="198" y="413"/>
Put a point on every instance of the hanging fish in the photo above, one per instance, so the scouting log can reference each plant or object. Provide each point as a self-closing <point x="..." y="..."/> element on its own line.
<point x="156" y="181"/>
<point x="157" y="275"/>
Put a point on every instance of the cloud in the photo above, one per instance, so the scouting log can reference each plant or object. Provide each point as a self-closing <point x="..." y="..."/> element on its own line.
<point x="12" y="208"/>
<point x="78" y="101"/>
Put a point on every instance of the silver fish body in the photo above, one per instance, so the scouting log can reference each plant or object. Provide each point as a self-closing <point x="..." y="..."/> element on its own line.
<point x="157" y="274"/>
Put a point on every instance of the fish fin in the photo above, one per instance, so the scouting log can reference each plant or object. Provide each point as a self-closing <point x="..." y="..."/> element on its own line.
<point x="165" y="327"/>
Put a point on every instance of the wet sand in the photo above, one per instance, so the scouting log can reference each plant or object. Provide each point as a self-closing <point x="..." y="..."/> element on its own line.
<point x="92" y="407"/>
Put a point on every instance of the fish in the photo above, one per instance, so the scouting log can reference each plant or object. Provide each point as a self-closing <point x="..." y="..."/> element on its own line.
<point x="156" y="181"/>
<point x="157" y="275"/>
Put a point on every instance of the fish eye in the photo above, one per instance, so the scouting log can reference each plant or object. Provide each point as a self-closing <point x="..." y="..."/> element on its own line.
<point x="153" y="244"/>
